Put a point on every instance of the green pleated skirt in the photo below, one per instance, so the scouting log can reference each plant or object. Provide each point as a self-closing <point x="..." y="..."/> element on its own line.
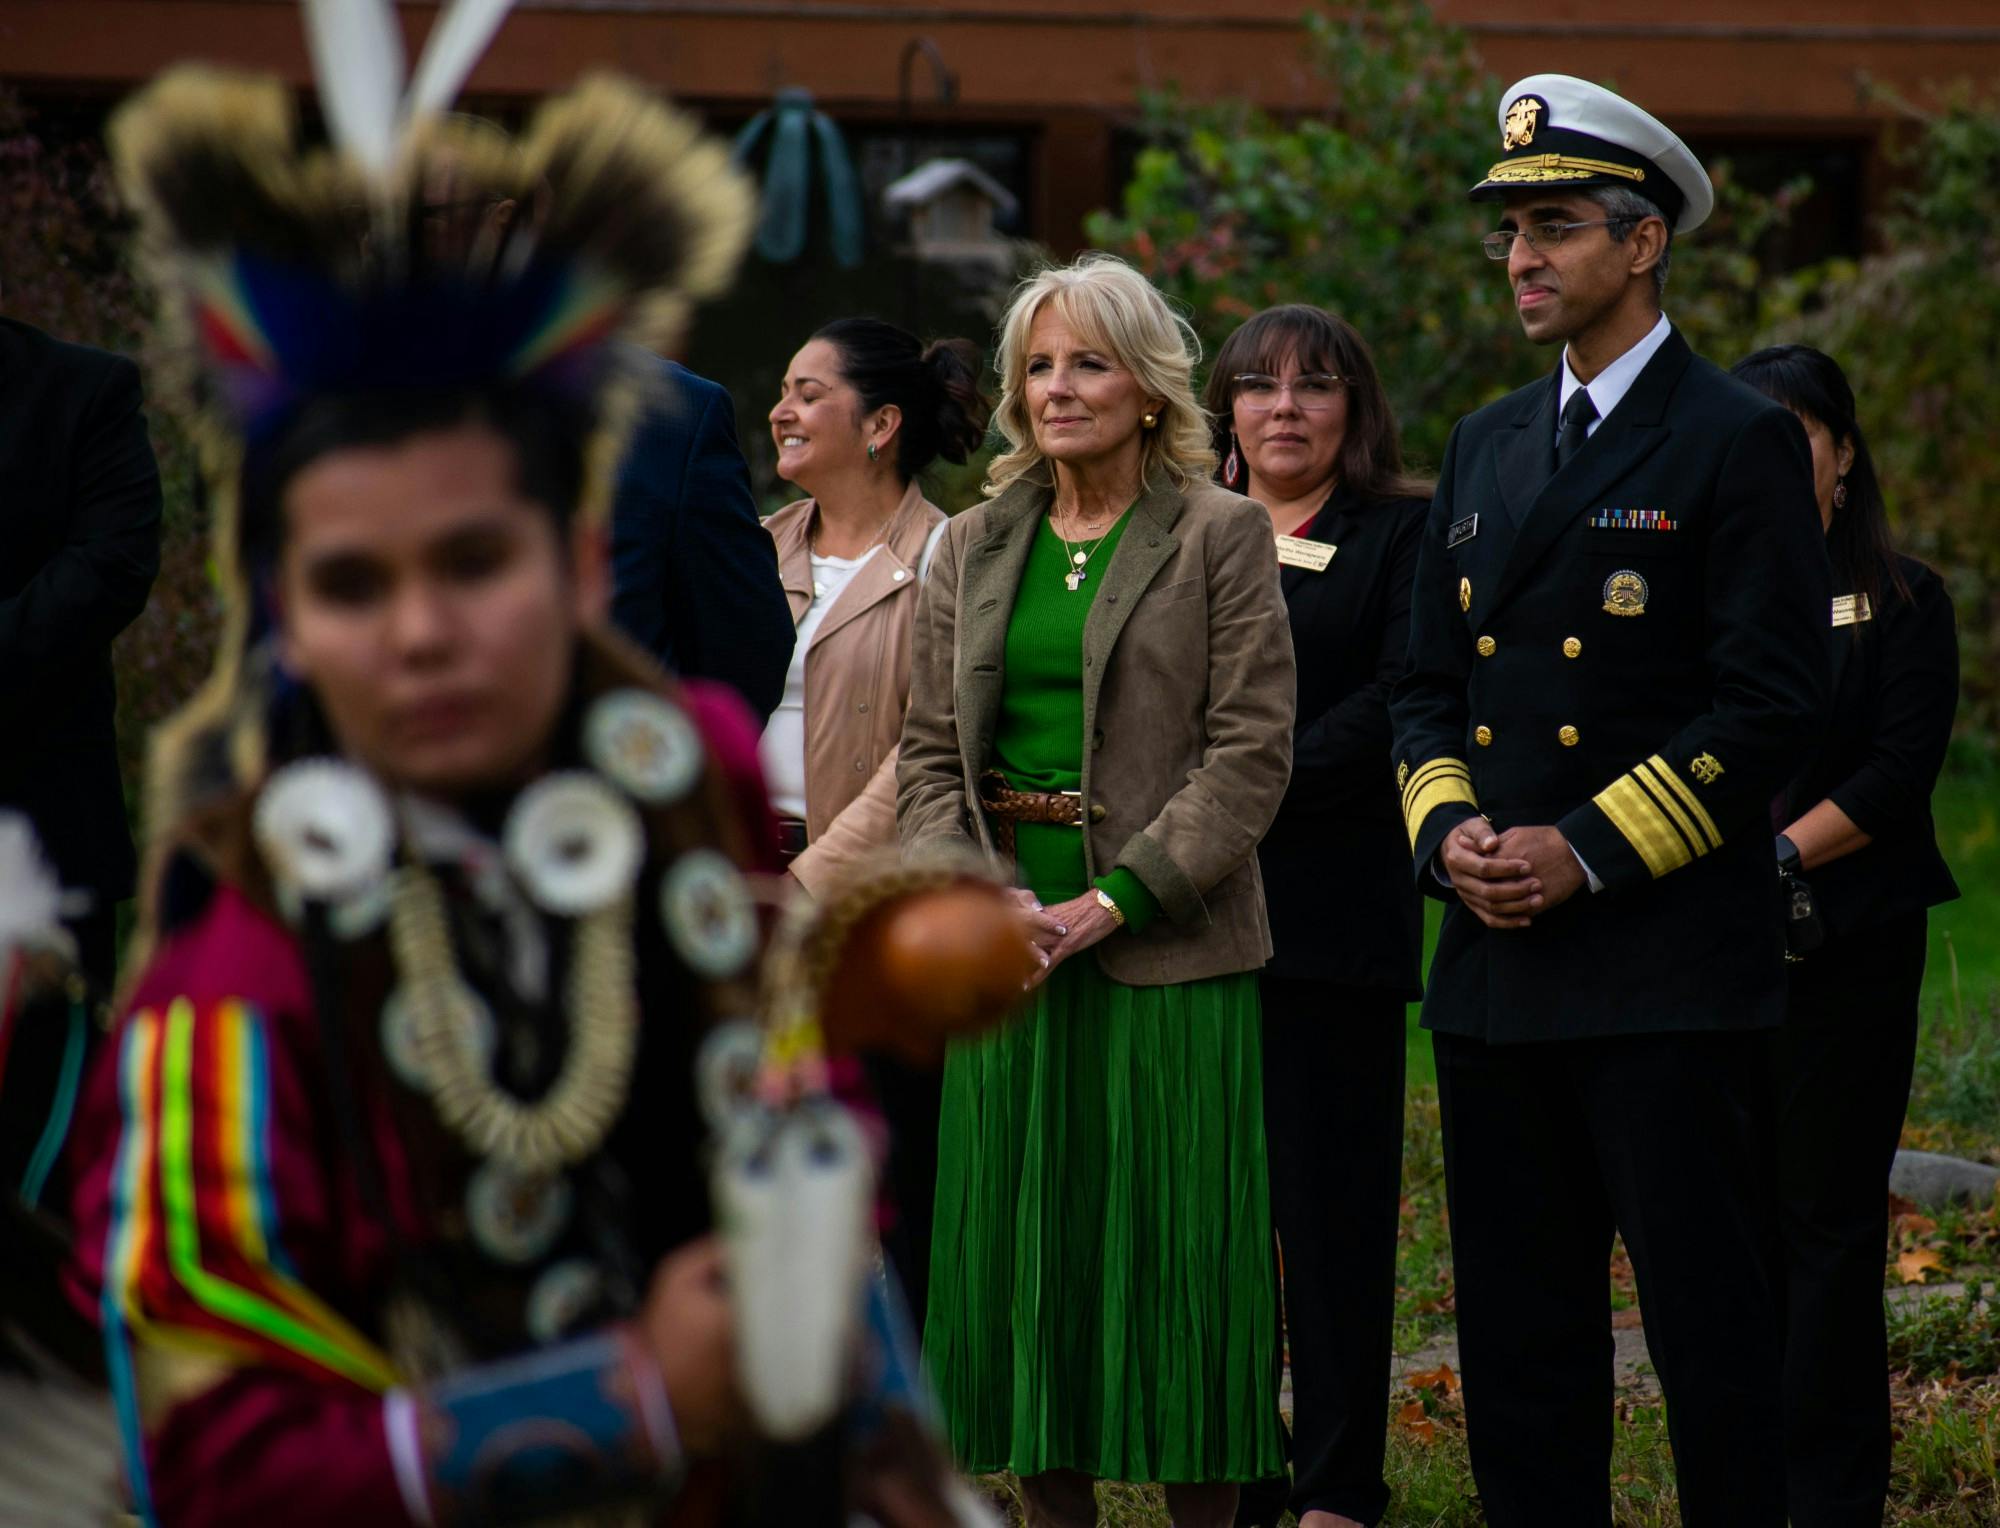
<point x="1102" y="1291"/>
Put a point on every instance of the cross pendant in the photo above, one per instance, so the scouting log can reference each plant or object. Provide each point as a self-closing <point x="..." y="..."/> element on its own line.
<point x="1073" y="578"/>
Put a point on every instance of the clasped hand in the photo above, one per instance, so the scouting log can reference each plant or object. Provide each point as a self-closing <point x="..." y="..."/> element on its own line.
<point x="1508" y="878"/>
<point x="1063" y="930"/>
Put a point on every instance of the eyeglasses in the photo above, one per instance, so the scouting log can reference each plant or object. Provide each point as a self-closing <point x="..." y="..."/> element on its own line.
<point x="1313" y="392"/>
<point x="1540" y="236"/>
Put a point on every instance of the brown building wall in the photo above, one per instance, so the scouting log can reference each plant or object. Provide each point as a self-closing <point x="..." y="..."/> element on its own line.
<point x="1063" y="77"/>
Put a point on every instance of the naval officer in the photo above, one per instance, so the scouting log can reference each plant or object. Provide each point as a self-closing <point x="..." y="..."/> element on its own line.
<point x="1619" y="654"/>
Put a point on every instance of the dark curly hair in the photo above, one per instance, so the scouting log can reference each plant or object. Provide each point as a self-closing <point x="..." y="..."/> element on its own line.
<point x="936" y="386"/>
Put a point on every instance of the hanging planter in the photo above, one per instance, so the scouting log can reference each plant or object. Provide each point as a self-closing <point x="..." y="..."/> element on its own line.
<point x="800" y="138"/>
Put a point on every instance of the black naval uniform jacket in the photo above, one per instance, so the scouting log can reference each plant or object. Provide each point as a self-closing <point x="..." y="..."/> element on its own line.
<point x="1642" y="664"/>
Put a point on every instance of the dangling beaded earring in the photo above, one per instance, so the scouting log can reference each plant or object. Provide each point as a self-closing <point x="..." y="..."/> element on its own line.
<point x="1233" y="463"/>
<point x="1840" y="492"/>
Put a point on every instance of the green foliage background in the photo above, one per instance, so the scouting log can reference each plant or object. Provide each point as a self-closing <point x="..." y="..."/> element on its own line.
<point x="1356" y="207"/>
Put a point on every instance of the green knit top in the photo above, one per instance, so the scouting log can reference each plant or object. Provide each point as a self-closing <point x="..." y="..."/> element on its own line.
<point x="1038" y="742"/>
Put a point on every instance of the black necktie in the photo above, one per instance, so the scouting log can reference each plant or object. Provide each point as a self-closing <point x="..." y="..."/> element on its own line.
<point x="1576" y="418"/>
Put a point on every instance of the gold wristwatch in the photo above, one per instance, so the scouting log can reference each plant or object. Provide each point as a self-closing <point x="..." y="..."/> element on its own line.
<point x="1104" y="901"/>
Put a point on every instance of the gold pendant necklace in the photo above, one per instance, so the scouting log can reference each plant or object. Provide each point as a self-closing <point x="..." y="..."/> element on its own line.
<point x="571" y="1120"/>
<point x="1078" y="556"/>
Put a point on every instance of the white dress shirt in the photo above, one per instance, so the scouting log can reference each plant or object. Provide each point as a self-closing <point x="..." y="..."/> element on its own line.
<point x="1609" y="387"/>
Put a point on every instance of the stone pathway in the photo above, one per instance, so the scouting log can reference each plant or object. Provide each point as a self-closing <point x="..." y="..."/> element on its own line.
<point x="1632" y="1365"/>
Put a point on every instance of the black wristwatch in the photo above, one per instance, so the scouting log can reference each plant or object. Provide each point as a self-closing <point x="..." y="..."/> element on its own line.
<point x="1788" y="856"/>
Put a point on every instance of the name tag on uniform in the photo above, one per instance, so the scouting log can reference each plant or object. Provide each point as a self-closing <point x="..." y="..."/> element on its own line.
<point x="1461" y="530"/>
<point x="1298" y="552"/>
<point x="1850" y="608"/>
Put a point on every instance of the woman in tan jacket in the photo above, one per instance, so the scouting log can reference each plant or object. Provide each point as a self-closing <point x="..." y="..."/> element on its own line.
<point x="1101" y="699"/>
<point x="865" y="408"/>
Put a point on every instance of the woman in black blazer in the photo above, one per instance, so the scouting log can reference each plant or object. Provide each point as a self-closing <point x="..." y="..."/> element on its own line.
<point x="1310" y="435"/>
<point x="1856" y="827"/>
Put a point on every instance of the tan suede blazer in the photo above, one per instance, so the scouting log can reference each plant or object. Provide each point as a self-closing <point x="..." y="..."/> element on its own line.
<point x="857" y="680"/>
<point x="1188" y="694"/>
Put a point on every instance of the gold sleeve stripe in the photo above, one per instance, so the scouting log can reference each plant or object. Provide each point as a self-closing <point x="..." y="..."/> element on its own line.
<point x="1637" y="816"/>
<point x="1425" y="773"/>
<point x="1438" y="783"/>
<point x="1664" y="798"/>
<point x="1689" y="800"/>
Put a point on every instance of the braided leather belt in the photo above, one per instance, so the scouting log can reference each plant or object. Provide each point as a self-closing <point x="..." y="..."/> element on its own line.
<point x="1007" y="806"/>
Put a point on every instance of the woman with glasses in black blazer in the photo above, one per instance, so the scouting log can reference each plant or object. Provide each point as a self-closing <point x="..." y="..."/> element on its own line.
<point x="1309" y="434"/>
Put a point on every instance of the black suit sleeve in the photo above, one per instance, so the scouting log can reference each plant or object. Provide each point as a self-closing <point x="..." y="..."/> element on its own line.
<point x="1916" y="693"/>
<point x="1767" y="592"/>
<point x="1346" y="748"/>
<point x="697" y="574"/>
<point x="1428" y="706"/>
<point x="98" y="580"/>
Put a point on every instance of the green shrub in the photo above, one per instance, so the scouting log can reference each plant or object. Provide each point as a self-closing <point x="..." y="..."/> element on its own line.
<point x="1358" y="206"/>
<point x="1931" y="1337"/>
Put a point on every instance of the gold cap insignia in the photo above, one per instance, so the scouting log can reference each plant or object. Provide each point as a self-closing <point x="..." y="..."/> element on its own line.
<point x="1625" y="593"/>
<point x="1402" y="774"/>
<point x="1518" y="129"/>
<point x="1706" y="768"/>
<point x="1465" y="594"/>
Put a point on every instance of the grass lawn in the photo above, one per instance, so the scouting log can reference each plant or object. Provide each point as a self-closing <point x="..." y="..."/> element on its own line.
<point x="1945" y="1353"/>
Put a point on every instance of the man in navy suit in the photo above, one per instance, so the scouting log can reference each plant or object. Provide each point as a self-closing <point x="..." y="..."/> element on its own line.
<point x="79" y="548"/>
<point x="696" y="575"/>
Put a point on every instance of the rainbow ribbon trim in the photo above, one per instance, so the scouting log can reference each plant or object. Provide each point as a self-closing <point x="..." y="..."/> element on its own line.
<point x="194" y="1260"/>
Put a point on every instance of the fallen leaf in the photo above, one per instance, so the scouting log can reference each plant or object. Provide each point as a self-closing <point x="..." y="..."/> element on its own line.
<point x="1915" y="1264"/>
<point x="1911" y="1224"/>
<point x="1412" y="1420"/>
<point x="1898" y="1205"/>
<point x="1622" y="1278"/>
<point x="1625" y="1320"/>
<point x="1441" y="1378"/>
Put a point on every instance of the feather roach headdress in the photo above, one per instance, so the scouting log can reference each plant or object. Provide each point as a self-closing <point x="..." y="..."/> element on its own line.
<point x="419" y="251"/>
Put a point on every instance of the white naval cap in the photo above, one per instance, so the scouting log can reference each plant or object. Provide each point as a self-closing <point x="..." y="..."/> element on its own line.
<point x="1557" y="130"/>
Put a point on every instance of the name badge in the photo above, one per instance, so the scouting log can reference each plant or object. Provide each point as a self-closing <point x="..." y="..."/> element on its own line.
<point x="1850" y="608"/>
<point x="1461" y="530"/>
<point x="1297" y="552"/>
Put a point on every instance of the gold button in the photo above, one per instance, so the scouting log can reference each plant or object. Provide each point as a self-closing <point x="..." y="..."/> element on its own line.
<point x="1486" y="645"/>
<point x="1572" y="648"/>
<point x="1483" y="736"/>
<point x="1568" y="736"/>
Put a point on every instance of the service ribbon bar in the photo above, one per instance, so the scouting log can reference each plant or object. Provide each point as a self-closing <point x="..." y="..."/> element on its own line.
<point x="1632" y="520"/>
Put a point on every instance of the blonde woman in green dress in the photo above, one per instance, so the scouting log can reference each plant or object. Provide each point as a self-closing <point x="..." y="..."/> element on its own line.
<point x="1101" y="698"/>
